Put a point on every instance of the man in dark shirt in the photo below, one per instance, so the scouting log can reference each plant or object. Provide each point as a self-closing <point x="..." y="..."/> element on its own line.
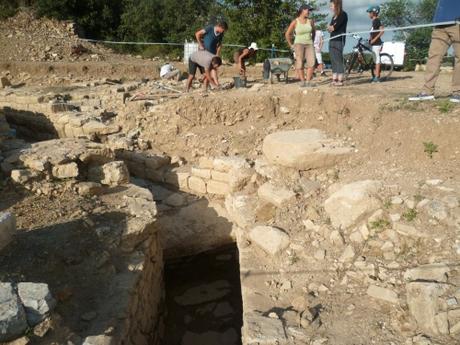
<point x="376" y="39"/>
<point x="210" y="39"/>
<point x="448" y="13"/>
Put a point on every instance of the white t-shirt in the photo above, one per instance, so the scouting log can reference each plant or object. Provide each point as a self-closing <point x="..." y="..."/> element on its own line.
<point x="318" y="36"/>
<point x="165" y="69"/>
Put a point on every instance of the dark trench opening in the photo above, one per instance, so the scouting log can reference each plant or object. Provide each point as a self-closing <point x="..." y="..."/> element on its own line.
<point x="203" y="299"/>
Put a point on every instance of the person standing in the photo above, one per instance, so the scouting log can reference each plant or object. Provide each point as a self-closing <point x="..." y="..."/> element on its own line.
<point x="242" y="55"/>
<point x="442" y="38"/>
<point x="210" y="39"/>
<point x="375" y="40"/>
<point x="304" y="29"/>
<point x="337" y="28"/>
<point x="319" y="42"/>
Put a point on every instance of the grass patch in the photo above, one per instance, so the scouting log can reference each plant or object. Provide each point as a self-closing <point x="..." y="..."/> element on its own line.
<point x="379" y="224"/>
<point x="430" y="148"/>
<point x="410" y="215"/>
<point x="445" y="106"/>
<point x="387" y="204"/>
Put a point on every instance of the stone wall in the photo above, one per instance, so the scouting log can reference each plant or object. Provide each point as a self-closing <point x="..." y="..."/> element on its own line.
<point x="145" y="311"/>
<point x="51" y="116"/>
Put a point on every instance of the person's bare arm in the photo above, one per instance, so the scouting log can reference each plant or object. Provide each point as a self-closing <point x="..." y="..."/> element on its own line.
<point x="381" y="32"/>
<point x="289" y="32"/>
<point x="199" y="37"/>
<point x="219" y="49"/>
<point x="243" y="55"/>
<point x="321" y="43"/>
<point x="210" y="79"/>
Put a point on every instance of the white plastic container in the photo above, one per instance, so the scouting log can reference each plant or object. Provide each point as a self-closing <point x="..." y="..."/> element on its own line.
<point x="396" y="50"/>
<point x="189" y="49"/>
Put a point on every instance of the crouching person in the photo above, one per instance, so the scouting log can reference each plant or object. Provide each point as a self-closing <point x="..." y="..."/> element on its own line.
<point x="169" y="72"/>
<point x="206" y="63"/>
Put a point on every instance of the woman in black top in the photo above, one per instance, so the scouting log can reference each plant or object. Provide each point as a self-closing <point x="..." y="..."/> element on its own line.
<point x="337" y="27"/>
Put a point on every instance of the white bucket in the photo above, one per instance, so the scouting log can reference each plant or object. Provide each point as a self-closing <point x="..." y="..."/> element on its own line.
<point x="189" y="49"/>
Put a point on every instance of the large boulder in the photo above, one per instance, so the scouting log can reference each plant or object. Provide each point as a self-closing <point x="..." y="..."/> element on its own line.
<point x="352" y="201"/>
<point x="303" y="149"/>
<point x="271" y="240"/>
<point x="7" y="228"/>
<point x="37" y="300"/>
<point x="424" y="304"/>
<point x="12" y="315"/>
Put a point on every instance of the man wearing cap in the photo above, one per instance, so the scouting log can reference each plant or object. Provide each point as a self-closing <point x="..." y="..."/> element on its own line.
<point x="444" y="36"/>
<point x="242" y="55"/>
<point x="375" y="40"/>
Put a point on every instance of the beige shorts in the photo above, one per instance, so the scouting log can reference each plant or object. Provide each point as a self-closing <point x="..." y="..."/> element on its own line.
<point x="302" y="52"/>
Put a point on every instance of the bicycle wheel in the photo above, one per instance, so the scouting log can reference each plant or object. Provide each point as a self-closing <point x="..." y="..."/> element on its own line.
<point x="386" y="67"/>
<point x="350" y="65"/>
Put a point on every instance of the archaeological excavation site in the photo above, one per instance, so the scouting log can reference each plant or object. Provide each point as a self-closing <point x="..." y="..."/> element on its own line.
<point x="134" y="213"/>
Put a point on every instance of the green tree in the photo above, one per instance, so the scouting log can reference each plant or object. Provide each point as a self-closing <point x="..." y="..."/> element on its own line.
<point x="263" y="21"/>
<point x="99" y="18"/>
<point x="397" y="13"/>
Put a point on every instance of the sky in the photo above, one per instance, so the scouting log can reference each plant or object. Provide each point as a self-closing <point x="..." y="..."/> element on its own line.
<point x="358" y="19"/>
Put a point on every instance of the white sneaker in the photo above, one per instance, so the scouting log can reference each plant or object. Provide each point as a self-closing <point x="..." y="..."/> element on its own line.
<point x="455" y="98"/>
<point x="422" y="97"/>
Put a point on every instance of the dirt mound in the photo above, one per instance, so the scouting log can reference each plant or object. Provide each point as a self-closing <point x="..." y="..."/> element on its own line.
<point x="25" y="37"/>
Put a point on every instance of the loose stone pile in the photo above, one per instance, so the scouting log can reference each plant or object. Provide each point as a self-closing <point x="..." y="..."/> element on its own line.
<point x="22" y="306"/>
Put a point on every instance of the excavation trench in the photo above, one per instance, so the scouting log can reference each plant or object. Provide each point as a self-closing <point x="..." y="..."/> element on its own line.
<point x="203" y="299"/>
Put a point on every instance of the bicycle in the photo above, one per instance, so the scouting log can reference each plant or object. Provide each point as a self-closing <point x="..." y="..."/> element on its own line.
<point x="362" y="59"/>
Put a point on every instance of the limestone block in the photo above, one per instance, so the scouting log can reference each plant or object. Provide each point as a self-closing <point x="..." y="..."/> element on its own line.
<point x="36" y="163"/>
<point x="218" y="188"/>
<point x="156" y="162"/>
<point x="303" y="149"/>
<point x="197" y="185"/>
<point x="383" y="294"/>
<point x="7" y="228"/>
<point x="178" y="178"/>
<point x="37" y="300"/>
<point x="261" y="330"/>
<point x="206" y="163"/>
<point x="423" y="302"/>
<point x="202" y="173"/>
<point x="89" y="188"/>
<point x="272" y="240"/>
<point x="241" y="209"/>
<point x="220" y="176"/>
<point x="176" y="200"/>
<point x="98" y="340"/>
<point x="96" y="127"/>
<point x="225" y="164"/>
<point x="22" y="176"/>
<point x="115" y="173"/>
<point x="431" y="272"/>
<point x="64" y="171"/>
<point x="277" y="196"/>
<point x="12" y="315"/>
<point x="352" y="201"/>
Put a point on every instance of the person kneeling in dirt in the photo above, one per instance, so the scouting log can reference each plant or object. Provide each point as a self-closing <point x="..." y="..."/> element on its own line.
<point x="169" y="72"/>
<point x="206" y="63"/>
<point x="242" y="55"/>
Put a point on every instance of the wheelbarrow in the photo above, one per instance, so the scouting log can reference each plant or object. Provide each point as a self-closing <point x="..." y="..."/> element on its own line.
<point x="277" y="67"/>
